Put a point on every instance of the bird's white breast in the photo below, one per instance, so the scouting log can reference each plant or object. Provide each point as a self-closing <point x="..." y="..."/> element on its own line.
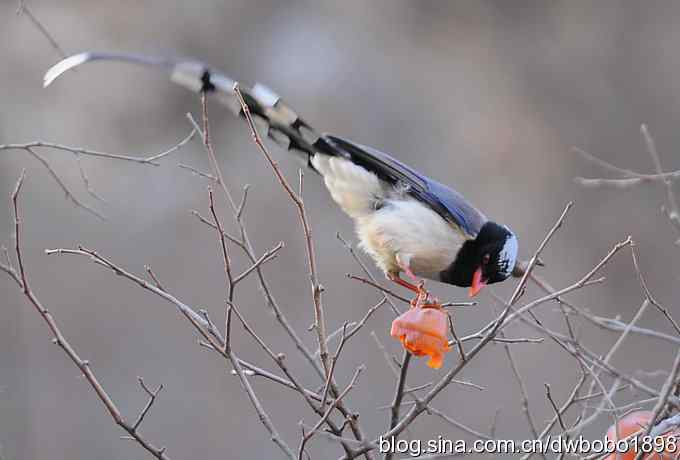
<point x="390" y="223"/>
<point x="411" y="230"/>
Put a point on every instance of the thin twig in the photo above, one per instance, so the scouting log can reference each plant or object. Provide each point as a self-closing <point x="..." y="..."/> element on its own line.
<point x="673" y="210"/>
<point x="327" y="414"/>
<point x="399" y="394"/>
<point x="245" y="244"/>
<point x="152" y="398"/>
<point x="334" y="361"/>
<point x="266" y="257"/>
<point x="78" y="152"/>
<point x="262" y="414"/>
<point x="153" y="277"/>
<point x="148" y="160"/>
<point x="23" y="9"/>
<point x="632" y="178"/>
<point x="548" y="395"/>
<point x="612" y="324"/>
<point x="619" y="341"/>
<point x="648" y="293"/>
<point x="228" y="351"/>
<point x="665" y="394"/>
<point x="59" y="339"/>
<point x="86" y="181"/>
<point x="67" y="192"/>
<point x="429" y="408"/>
<point x="366" y="271"/>
<point x="197" y="172"/>
<point x="560" y="411"/>
<point x="223" y="245"/>
<point x="456" y="339"/>
<point x="202" y="326"/>
<point x="502" y="321"/>
<point x="523" y="394"/>
<point x="378" y="287"/>
<point x="317" y="289"/>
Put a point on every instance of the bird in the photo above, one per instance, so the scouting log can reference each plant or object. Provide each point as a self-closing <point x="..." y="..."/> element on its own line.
<point x="406" y="222"/>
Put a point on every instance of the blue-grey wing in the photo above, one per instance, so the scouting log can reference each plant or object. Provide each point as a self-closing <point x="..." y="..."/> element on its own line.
<point x="446" y="202"/>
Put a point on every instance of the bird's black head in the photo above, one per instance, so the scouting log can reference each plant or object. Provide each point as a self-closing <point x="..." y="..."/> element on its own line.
<point x="489" y="258"/>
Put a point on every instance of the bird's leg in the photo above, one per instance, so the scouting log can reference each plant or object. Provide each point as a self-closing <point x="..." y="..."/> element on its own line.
<point x="423" y="297"/>
<point x="394" y="277"/>
<point x="421" y="294"/>
<point x="405" y="266"/>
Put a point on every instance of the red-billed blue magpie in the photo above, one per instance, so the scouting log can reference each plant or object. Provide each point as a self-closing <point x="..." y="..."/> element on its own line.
<point x="405" y="221"/>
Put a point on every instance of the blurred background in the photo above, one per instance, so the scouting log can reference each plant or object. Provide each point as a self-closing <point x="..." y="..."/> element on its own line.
<point x="489" y="97"/>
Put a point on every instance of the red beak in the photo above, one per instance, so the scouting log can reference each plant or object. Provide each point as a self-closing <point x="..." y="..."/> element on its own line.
<point x="477" y="283"/>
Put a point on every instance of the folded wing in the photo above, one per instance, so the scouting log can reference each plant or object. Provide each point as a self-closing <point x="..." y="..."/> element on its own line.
<point x="446" y="202"/>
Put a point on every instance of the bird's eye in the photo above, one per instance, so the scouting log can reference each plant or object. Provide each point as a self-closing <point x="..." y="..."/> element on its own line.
<point x="485" y="259"/>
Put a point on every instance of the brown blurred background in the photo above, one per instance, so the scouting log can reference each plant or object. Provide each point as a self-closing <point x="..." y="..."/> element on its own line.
<point x="486" y="96"/>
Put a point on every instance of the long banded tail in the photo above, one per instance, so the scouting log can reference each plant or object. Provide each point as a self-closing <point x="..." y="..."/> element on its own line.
<point x="270" y="113"/>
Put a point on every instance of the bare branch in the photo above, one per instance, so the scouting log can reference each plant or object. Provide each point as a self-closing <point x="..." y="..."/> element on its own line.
<point x="153" y="277"/>
<point x="558" y="414"/>
<point x="23" y="9"/>
<point x="60" y="340"/>
<point x="560" y="411"/>
<point x="69" y="195"/>
<point x="253" y="370"/>
<point x="334" y="361"/>
<point x="197" y="172"/>
<point x="317" y="289"/>
<point x="279" y="359"/>
<point x="225" y="252"/>
<point x="665" y="394"/>
<point x="399" y="394"/>
<point x="148" y="160"/>
<point x="632" y="178"/>
<point x="327" y="414"/>
<point x="378" y="287"/>
<point x="523" y="393"/>
<point x="262" y="414"/>
<point x="648" y="295"/>
<point x="266" y="257"/>
<point x="152" y="398"/>
<point x="30" y="148"/>
<point x="673" y="210"/>
<point x="429" y="407"/>
<point x="502" y="321"/>
<point x="366" y="271"/>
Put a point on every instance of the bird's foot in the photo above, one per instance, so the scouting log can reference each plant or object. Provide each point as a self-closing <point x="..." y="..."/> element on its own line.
<point x="423" y="298"/>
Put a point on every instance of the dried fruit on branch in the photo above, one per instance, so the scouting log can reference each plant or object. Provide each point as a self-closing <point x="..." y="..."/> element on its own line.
<point x="422" y="331"/>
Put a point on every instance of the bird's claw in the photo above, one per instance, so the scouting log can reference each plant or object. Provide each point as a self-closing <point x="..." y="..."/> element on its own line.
<point x="424" y="299"/>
